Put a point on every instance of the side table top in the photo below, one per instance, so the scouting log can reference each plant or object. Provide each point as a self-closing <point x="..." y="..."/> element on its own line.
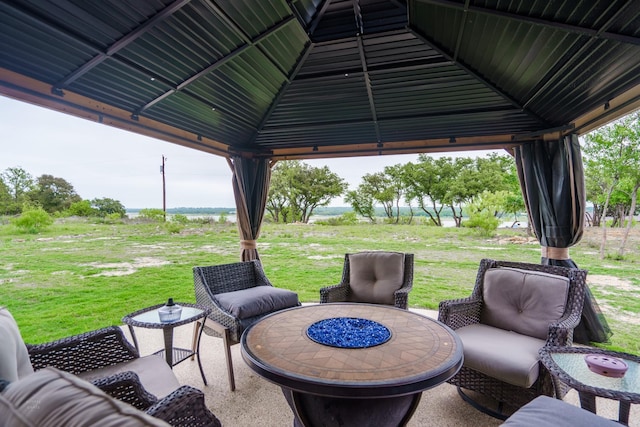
<point x="148" y="317"/>
<point x="568" y="365"/>
<point x="420" y="354"/>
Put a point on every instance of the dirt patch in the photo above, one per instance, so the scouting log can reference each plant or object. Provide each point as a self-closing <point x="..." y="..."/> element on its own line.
<point x="602" y="282"/>
<point x="126" y="268"/>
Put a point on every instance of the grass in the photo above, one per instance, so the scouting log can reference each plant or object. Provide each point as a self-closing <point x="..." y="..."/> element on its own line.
<point x="79" y="276"/>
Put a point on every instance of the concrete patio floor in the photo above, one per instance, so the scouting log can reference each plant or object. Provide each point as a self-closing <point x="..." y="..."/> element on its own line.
<point x="258" y="402"/>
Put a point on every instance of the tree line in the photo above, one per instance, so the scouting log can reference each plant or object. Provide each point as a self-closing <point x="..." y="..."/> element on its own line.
<point x="20" y="191"/>
<point x="484" y="189"/>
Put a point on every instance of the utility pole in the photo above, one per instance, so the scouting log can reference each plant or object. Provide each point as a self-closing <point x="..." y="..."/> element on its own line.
<point x="164" y="189"/>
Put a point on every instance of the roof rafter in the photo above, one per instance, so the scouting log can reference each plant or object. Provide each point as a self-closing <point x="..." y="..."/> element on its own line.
<point x="540" y="21"/>
<point x="120" y="44"/>
<point x="549" y="78"/>
<point x="477" y="76"/>
<point x="215" y="65"/>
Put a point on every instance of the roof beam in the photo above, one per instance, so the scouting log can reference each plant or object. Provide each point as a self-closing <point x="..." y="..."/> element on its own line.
<point x="245" y="37"/>
<point x="120" y="44"/>
<point x="316" y="19"/>
<point x="477" y="76"/>
<point x="367" y="82"/>
<point x="539" y="21"/>
<point x="215" y="65"/>
<point x="550" y="79"/>
<point x="283" y="90"/>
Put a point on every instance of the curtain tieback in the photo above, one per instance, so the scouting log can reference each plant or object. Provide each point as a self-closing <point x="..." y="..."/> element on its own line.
<point x="248" y="244"/>
<point x="555" y="253"/>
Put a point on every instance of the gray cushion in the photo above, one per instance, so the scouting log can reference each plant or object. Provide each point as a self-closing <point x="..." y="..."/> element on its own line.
<point x="52" y="398"/>
<point x="375" y="276"/>
<point x="255" y="301"/>
<point x="14" y="357"/>
<point x="505" y="355"/>
<point x="523" y="301"/>
<point x="546" y="411"/>
<point x="154" y="374"/>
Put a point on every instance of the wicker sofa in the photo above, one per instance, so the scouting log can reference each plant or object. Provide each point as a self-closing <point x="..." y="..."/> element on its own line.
<point x="103" y="359"/>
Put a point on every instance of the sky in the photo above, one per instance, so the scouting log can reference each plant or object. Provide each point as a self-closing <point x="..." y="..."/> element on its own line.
<point x="105" y="162"/>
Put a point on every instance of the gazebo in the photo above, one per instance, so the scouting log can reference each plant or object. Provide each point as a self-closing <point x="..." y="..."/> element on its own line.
<point x="260" y="81"/>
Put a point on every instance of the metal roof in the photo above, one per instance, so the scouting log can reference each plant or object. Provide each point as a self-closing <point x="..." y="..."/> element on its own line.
<point x="323" y="78"/>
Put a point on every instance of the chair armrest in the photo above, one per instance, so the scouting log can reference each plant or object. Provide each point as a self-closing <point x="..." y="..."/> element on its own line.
<point x="126" y="387"/>
<point x="401" y="297"/>
<point x="561" y="331"/>
<point x="460" y="312"/>
<point x="335" y="293"/>
<point x="84" y="352"/>
<point x="185" y="407"/>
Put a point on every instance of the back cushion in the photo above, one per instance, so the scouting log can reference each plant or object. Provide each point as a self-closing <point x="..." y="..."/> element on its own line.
<point x="52" y="398"/>
<point x="14" y="358"/>
<point x="523" y="301"/>
<point x="375" y="276"/>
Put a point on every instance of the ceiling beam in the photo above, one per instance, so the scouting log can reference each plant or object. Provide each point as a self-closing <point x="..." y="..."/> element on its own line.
<point x="318" y="17"/>
<point x="367" y="82"/>
<point x="120" y="44"/>
<point x="489" y="142"/>
<point x="571" y="62"/>
<point x="478" y="77"/>
<point x="539" y="21"/>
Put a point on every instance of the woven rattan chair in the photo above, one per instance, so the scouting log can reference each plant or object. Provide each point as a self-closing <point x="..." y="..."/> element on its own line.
<point x="373" y="277"/>
<point x="514" y="310"/>
<point x="108" y="347"/>
<point x="238" y="294"/>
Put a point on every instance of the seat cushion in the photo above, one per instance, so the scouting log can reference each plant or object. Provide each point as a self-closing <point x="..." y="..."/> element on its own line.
<point x="254" y="301"/>
<point x="375" y="276"/>
<point x="52" y="398"/>
<point x="546" y="411"/>
<point x="505" y="355"/>
<point x="154" y="373"/>
<point x="523" y="301"/>
<point x="14" y="357"/>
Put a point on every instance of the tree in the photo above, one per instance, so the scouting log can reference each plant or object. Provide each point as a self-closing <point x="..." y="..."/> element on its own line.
<point x="53" y="194"/>
<point x="106" y="206"/>
<point x="6" y="201"/>
<point x="428" y="182"/>
<point x="362" y="202"/>
<point x="297" y="189"/>
<point x="19" y="183"/>
<point x="612" y="151"/>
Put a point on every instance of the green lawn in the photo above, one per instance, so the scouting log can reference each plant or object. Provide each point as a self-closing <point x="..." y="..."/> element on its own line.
<point x="79" y="276"/>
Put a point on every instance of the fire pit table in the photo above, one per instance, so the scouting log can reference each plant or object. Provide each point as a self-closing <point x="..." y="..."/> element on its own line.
<point x="352" y="364"/>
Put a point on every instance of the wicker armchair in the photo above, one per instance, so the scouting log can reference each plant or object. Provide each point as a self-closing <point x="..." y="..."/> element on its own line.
<point x="541" y="304"/>
<point x="238" y="294"/>
<point x="383" y="278"/>
<point x="107" y="348"/>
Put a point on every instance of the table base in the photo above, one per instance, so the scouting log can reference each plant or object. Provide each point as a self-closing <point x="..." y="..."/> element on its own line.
<point x="323" y="411"/>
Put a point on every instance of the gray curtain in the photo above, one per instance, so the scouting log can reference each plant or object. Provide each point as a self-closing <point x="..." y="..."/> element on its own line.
<point x="251" y="178"/>
<point x="552" y="181"/>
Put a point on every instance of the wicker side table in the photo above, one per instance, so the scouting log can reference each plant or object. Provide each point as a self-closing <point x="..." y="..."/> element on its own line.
<point x="149" y="318"/>
<point x="567" y="366"/>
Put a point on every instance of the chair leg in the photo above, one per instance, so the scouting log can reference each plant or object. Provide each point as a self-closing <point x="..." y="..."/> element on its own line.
<point x="227" y="351"/>
<point x="196" y="327"/>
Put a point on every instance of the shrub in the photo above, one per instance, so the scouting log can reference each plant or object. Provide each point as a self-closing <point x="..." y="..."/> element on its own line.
<point x="174" y="227"/>
<point x="81" y="208"/>
<point x="156" y="215"/>
<point x="33" y="220"/>
<point x="179" y="219"/>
